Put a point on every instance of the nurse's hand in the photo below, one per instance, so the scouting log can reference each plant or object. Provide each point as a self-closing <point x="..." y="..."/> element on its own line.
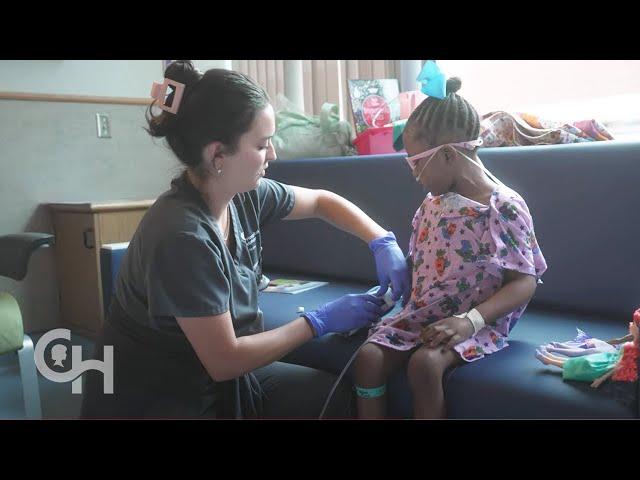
<point x="346" y="313"/>
<point x="391" y="266"/>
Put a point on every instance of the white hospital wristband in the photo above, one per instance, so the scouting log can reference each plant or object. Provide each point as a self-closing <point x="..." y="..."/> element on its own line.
<point x="476" y="319"/>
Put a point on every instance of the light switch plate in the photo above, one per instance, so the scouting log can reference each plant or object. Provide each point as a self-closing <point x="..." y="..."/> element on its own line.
<point x="102" y="123"/>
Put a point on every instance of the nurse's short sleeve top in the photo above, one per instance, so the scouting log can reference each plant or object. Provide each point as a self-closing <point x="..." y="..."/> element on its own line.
<point x="178" y="265"/>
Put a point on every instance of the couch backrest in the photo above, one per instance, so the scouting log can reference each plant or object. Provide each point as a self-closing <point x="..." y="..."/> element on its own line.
<point x="583" y="199"/>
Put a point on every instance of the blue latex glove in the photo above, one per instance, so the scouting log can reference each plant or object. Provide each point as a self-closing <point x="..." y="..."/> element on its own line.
<point x="346" y="313"/>
<point x="391" y="267"/>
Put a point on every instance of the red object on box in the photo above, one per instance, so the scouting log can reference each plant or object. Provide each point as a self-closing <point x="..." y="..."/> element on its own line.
<point x="374" y="141"/>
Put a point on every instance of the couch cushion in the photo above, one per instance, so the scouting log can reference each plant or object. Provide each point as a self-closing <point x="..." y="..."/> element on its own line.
<point x="508" y="384"/>
<point x="513" y="384"/>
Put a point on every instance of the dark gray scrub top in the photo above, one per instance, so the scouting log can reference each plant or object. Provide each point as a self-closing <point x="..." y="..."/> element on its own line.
<point x="178" y="265"/>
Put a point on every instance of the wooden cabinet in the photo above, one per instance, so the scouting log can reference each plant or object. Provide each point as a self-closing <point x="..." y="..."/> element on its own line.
<point x="80" y="230"/>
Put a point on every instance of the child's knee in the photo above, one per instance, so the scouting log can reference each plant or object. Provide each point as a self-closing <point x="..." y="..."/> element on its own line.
<point x="426" y="364"/>
<point x="369" y="363"/>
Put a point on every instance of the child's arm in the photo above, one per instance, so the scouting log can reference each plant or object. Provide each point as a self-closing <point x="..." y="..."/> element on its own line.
<point x="517" y="289"/>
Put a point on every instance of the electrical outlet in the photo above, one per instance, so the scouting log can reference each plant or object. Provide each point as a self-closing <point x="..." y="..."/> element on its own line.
<point x="102" y="122"/>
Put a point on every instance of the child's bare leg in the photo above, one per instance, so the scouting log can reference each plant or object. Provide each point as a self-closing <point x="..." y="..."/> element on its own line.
<point x="373" y="365"/>
<point x="425" y="371"/>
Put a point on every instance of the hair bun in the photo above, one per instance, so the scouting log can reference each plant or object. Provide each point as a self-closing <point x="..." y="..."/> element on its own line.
<point x="453" y="85"/>
<point x="183" y="71"/>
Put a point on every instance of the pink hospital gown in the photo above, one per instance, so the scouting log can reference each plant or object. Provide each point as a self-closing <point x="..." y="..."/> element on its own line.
<point x="459" y="249"/>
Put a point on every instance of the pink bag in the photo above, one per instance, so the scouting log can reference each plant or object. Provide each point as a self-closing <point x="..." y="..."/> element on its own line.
<point x="406" y="104"/>
<point x="409" y="101"/>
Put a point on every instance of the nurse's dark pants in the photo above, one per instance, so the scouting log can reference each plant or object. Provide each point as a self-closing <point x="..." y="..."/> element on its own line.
<point x="155" y="378"/>
<point x="294" y="391"/>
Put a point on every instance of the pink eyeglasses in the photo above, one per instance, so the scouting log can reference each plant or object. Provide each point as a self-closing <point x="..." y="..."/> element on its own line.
<point x="469" y="145"/>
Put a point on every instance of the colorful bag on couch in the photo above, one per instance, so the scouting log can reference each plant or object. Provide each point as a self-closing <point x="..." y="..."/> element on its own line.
<point x="504" y="129"/>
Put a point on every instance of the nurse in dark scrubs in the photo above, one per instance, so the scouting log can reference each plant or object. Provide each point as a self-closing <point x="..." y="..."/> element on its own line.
<point x="184" y="321"/>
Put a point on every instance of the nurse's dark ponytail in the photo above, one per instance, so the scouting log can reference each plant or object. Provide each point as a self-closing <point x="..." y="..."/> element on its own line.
<point x="217" y="106"/>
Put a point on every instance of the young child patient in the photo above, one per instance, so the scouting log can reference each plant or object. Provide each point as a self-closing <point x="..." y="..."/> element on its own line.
<point x="476" y="263"/>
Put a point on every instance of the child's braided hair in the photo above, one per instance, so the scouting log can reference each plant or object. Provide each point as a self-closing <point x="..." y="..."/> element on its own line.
<point x="451" y="119"/>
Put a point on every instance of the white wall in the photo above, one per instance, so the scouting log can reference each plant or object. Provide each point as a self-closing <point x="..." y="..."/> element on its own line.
<point x="602" y="89"/>
<point x="207" y="64"/>
<point x="542" y="85"/>
<point x="50" y="153"/>
<point x="109" y="78"/>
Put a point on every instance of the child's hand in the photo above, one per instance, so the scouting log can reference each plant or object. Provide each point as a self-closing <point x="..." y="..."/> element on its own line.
<point x="448" y="332"/>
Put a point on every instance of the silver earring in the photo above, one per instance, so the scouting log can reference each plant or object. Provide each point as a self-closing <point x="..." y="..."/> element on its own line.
<point x="219" y="172"/>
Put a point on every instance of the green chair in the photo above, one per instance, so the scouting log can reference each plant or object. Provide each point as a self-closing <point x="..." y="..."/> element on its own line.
<point x="15" y="251"/>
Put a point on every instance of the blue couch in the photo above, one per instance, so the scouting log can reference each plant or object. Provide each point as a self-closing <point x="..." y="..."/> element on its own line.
<point x="582" y="198"/>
